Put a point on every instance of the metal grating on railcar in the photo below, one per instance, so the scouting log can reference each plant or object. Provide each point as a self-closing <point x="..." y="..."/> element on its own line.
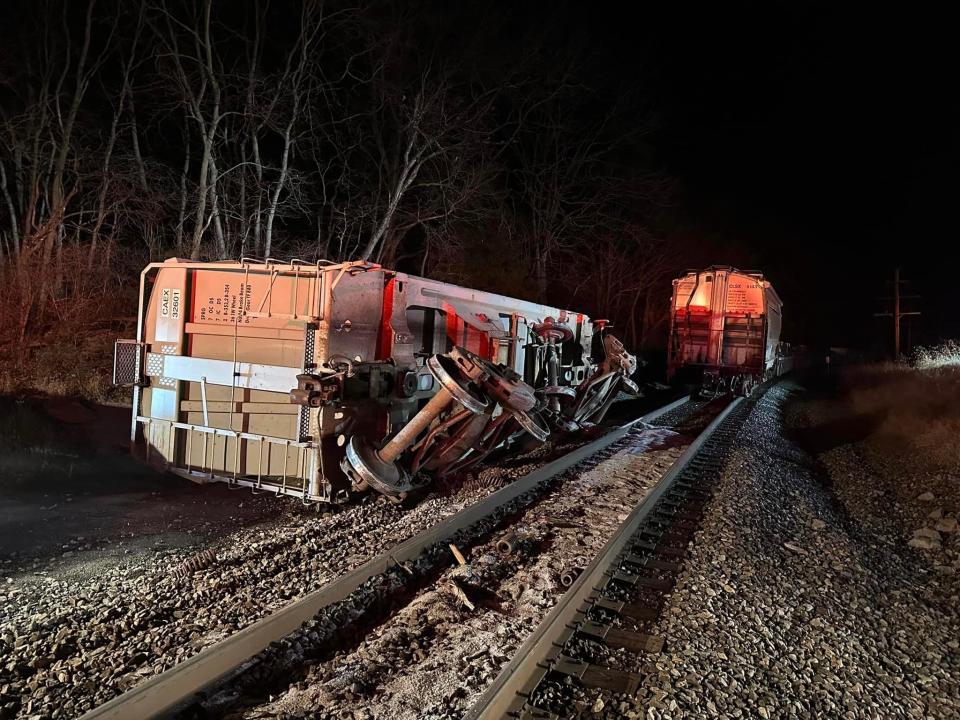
<point x="309" y="345"/>
<point x="127" y="363"/>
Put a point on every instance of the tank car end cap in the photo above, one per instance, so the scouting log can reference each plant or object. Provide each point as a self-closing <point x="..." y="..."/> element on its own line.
<point x="363" y="462"/>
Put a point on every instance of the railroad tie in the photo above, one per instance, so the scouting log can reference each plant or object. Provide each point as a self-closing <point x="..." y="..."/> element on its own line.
<point x="619" y="638"/>
<point x="596" y="676"/>
<point x="634" y="611"/>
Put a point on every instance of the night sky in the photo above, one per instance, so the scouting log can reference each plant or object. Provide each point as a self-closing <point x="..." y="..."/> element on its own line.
<point x="814" y="142"/>
<point x="817" y="143"/>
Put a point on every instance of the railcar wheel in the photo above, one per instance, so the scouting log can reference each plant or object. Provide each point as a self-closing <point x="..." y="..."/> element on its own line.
<point x="366" y="469"/>
<point x="498" y="382"/>
<point x="506" y="387"/>
<point x="533" y="423"/>
<point x="464" y="391"/>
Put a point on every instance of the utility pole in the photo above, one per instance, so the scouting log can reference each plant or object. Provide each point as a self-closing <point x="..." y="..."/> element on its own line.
<point x="897" y="314"/>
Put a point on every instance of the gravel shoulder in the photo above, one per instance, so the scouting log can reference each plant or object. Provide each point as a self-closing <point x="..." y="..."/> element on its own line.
<point x="890" y="458"/>
<point x="69" y="644"/>
<point x="793" y="603"/>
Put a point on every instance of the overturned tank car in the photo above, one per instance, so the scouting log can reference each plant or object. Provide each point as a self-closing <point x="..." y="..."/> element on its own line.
<point x="313" y="380"/>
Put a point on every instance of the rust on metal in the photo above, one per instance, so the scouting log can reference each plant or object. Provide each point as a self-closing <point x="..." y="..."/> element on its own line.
<point x="508" y="543"/>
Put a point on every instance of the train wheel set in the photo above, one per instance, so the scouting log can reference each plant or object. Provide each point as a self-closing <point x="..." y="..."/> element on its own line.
<point x="479" y="405"/>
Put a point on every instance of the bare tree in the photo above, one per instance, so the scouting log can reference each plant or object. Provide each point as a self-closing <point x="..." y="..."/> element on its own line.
<point x="85" y="72"/>
<point x="295" y="76"/>
<point x="122" y="103"/>
<point x="431" y="162"/>
<point x="623" y="278"/>
<point x="564" y="187"/>
<point x="14" y="232"/>
<point x="195" y="75"/>
<point x="342" y="132"/>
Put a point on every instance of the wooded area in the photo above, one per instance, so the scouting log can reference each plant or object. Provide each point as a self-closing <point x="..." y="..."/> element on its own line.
<point x="135" y="131"/>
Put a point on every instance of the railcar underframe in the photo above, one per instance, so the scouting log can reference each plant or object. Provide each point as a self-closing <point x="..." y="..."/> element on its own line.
<point x="315" y="380"/>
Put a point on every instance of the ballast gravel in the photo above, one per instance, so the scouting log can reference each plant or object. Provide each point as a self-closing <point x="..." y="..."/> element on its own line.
<point x="434" y="657"/>
<point x="789" y="606"/>
<point x="68" y="645"/>
<point x="682" y="414"/>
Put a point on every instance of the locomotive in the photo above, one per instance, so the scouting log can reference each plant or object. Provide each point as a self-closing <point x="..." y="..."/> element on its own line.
<point x="315" y="380"/>
<point x="725" y="331"/>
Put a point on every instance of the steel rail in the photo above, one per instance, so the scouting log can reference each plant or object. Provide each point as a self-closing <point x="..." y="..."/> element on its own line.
<point x="174" y="687"/>
<point x="532" y="657"/>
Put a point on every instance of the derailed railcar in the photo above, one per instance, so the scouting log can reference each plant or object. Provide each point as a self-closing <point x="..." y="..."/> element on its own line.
<point x="313" y="380"/>
<point x="725" y="330"/>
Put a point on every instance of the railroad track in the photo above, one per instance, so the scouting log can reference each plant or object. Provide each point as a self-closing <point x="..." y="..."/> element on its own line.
<point x="350" y="595"/>
<point x="643" y="554"/>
